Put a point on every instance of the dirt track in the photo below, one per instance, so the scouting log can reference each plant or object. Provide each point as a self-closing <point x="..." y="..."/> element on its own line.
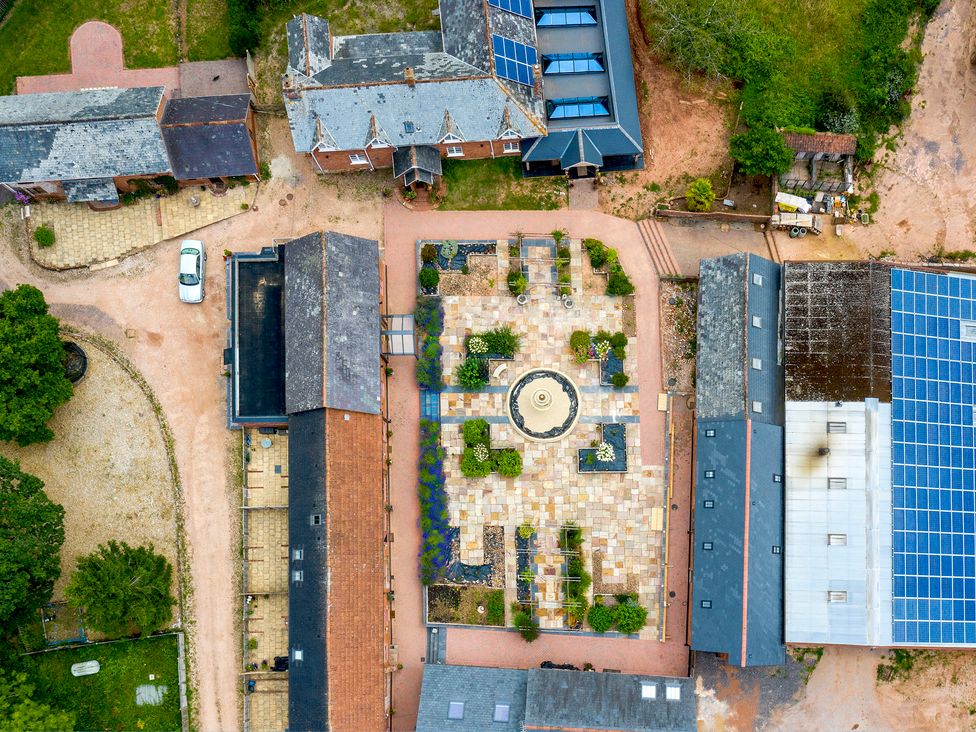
<point x="927" y="184"/>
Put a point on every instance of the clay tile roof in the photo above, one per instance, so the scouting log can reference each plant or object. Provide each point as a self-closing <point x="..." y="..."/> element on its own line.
<point x="821" y="142"/>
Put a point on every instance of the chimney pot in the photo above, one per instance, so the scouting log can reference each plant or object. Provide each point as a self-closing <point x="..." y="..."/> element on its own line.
<point x="408" y="75"/>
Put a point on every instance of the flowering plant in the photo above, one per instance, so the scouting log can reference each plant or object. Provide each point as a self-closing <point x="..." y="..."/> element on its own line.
<point x="477" y="344"/>
<point x="601" y="349"/>
<point x="605" y="452"/>
<point x="481" y="452"/>
<point x="22" y="198"/>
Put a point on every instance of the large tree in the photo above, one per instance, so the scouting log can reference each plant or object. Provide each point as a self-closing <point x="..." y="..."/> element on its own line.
<point x="31" y="535"/>
<point x="32" y="380"/>
<point x="20" y="713"/>
<point x="761" y="151"/>
<point x="123" y="588"/>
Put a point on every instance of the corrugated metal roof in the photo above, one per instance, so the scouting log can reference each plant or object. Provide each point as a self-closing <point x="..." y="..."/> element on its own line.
<point x="856" y="505"/>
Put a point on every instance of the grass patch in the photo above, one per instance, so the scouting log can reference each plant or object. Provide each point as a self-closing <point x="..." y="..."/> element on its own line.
<point x="496" y="184"/>
<point x="107" y="700"/>
<point x="34" y="39"/>
<point x="206" y="30"/>
<point x="808" y="658"/>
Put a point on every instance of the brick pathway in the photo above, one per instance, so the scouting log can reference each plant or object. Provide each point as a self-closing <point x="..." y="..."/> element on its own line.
<point x="583" y="195"/>
<point x="496" y="647"/>
<point x="84" y="237"/>
<point x="97" y="61"/>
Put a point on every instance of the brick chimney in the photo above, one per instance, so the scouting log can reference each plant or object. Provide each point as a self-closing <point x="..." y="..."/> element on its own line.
<point x="408" y="75"/>
<point x="537" y="80"/>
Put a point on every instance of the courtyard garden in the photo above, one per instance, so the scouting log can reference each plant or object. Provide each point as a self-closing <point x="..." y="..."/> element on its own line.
<point x="535" y="507"/>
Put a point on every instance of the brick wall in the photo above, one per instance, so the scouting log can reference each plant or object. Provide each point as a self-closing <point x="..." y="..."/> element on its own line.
<point x="357" y="611"/>
<point x="382" y="157"/>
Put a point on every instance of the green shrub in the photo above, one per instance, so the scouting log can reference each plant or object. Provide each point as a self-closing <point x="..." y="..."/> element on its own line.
<point x="557" y="235"/>
<point x="579" y="342"/>
<point x="526" y="625"/>
<point x="761" y="151"/>
<point x="563" y="253"/>
<point x="170" y="184"/>
<point x="596" y="251"/>
<point x="601" y="617"/>
<point x="631" y="617"/>
<point x="449" y="249"/>
<point x="476" y="432"/>
<point x="495" y="608"/>
<point x="618" y="340"/>
<point x="619" y="283"/>
<point x="526" y="530"/>
<point x="44" y="236"/>
<point x="509" y="463"/>
<point x="472" y="466"/>
<point x="472" y="373"/>
<point x="264" y="171"/>
<point x="517" y="283"/>
<point x="428" y="253"/>
<point x="700" y="195"/>
<point x="620" y="352"/>
<point x="429" y="278"/>
<point x="619" y="380"/>
<point x="243" y="19"/>
<point x="502" y="342"/>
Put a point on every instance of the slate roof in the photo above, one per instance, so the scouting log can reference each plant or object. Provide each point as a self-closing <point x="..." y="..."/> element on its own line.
<point x="745" y="458"/>
<point x="478" y="106"/>
<point x="480" y="689"/>
<point x="80" y="135"/>
<point x="100" y="190"/>
<point x="417" y="157"/>
<point x="194" y="110"/>
<point x="210" y="150"/>
<point x="557" y="699"/>
<point x="837" y="324"/>
<point x="309" y="40"/>
<point x="821" y="142"/>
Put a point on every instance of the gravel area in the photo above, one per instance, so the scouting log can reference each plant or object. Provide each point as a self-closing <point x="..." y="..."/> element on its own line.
<point x="495" y="554"/>
<point x="106" y="466"/>
<point x="481" y="279"/>
<point x="679" y="312"/>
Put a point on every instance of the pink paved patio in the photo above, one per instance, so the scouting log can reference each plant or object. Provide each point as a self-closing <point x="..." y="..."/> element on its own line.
<point x="494" y="647"/>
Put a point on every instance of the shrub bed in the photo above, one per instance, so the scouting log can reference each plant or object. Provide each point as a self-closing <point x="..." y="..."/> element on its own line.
<point x="571" y="541"/>
<point x="429" y="319"/>
<point x="602" y="256"/>
<point x="478" y="459"/>
<point x="435" y="550"/>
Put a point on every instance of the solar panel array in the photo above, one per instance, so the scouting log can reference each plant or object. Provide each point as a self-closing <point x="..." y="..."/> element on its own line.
<point x="513" y="60"/>
<point x="519" y="7"/>
<point x="933" y="357"/>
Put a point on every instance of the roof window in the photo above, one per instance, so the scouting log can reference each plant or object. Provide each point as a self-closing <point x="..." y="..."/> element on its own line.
<point x="709" y="503"/>
<point x="648" y="690"/>
<point x="777" y="549"/>
<point x="707" y="546"/>
<point x="672" y="692"/>
<point x="837" y="428"/>
<point x="709" y="433"/>
<point x="757" y="364"/>
<point x="757" y="279"/>
<point x="756" y="321"/>
<point x="837" y="539"/>
<point x="836" y="483"/>
<point x="455" y="710"/>
<point x="837" y="596"/>
<point x="501" y="713"/>
<point x="409" y="127"/>
<point x="757" y="407"/>
<point x="709" y="473"/>
<point x="707" y="604"/>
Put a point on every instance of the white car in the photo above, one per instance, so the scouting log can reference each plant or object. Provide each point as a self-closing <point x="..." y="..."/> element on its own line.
<point x="193" y="266"/>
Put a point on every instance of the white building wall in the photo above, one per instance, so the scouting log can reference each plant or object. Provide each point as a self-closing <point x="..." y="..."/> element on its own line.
<point x="861" y="512"/>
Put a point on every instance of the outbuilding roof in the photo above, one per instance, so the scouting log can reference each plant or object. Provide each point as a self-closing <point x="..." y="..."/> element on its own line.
<point x="821" y="142"/>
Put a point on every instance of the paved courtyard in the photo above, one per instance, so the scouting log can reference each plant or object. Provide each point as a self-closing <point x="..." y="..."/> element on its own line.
<point x="84" y="237"/>
<point x="621" y="514"/>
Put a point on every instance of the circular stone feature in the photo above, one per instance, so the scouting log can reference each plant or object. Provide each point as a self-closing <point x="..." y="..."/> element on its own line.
<point x="543" y="405"/>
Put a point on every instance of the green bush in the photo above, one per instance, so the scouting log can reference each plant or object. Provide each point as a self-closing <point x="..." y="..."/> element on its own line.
<point x="596" y="251"/>
<point x="472" y="373"/>
<point x="429" y="278"/>
<point x="264" y="171"/>
<point x="495" y="608"/>
<point x="579" y="342"/>
<point x="526" y="625"/>
<point x="428" y="253"/>
<point x="169" y="184"/>
<point x="472" y="467"/>
<point x="243" y="19"/>
<point x="620" y="352"/>
<point x="619" y="380"/>
<point x="526" y="530"/>
<point x="631" y="617"/>
<point x="502" y="342"/>
<point x="618" y="340"/>
<point x="44" y="236"/>
<point x="517" y="283"/>
<point x="619" y="283"/>
<point x="761" y="151"/>
<point x="476" y="432"/>
<point x="601" y="617"/>
<point x="508" y="462"/>
<point x="449" y="249"/>
<point x="563" y="253"/>
<point x="557" y="235"/>
<point x="700" y="195"/>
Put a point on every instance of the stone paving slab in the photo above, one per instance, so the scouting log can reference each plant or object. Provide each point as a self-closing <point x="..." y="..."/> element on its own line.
<point x="268" y="624"/>
<point x="266" y="550"/>
<point x="268" y="703"/>
<point x="84" y="237"/>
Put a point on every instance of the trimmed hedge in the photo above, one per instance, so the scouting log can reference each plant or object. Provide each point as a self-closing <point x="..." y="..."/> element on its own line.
<point x="435" y="549"/>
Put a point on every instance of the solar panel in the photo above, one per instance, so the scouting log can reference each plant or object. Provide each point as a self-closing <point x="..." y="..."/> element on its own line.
<point x="519" y="7"/>
<point x="513" y="60"/>
<point x="933" y="459"/>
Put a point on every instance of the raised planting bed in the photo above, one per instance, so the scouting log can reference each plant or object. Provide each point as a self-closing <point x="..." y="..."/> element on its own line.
<point x="458" y="251"/>
<point x="525" y="566"/>
<point x="465" y="605"/>
<point x="592" y="459"/>
<point x="491" y="573"/>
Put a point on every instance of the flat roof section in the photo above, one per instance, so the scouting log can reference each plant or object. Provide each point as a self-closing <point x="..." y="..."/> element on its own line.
<point x="258" y="373"/>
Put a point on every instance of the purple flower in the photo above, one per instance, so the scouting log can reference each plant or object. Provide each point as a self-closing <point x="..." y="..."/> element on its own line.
<point x="21" y="197"/>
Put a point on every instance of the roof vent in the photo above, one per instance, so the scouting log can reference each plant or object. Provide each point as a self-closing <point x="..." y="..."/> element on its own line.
<point x="823" y="451"/>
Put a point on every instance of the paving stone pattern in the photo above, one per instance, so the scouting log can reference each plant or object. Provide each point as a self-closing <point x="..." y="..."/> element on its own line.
<point x="621" y="514"/>
<point x="84" y="237"/>
<point x="266" y="578"/>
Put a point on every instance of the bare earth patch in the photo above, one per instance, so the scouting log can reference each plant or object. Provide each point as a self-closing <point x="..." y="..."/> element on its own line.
<point x="480" y="280"/>
<point x="107" y="466"/>
<point x="678" y="332"/>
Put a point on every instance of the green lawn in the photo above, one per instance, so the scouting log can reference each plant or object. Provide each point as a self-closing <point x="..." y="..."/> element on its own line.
<point x="494" y="184"/>
<point x="34" y="38"/>
<point x="206" y="30"/>
<point x="106" y="700"/>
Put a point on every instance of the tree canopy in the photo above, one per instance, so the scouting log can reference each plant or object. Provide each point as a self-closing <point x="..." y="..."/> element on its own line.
<point x="761" y="151"/>
<point x="32" y="380"/>
<point x="31" y="535"/>
<point x="121" y="588"/>
<point x="20" y="713"/>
